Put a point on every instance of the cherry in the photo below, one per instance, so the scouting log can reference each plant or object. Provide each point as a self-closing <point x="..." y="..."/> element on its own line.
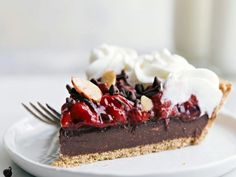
<point x="136" y="116"/>
<point x="116" y="106"/>
<point x="81" y="112"/>
<point x="103" y="87"/>
<point x="158" y="107"/>
<point x="117" y="114"/>
<point x="116" y="100"/>
<point x="156" y="99"/>
<point x="186" y="111"/>
<point x="163" y="109"/>
<point x="66" y="119"/>
<point x="189" y="109"/>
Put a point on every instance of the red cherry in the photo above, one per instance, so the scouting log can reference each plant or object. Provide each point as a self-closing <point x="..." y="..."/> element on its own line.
<point x="145" y="116"/>
<point x="163" y="109"/>
<point x="103" y="87"/>
<point x="136" y="116"/>
<point x="117" y="114"/>
<point x="116" y="100"/>
<point x="156" y="99"/>
<point x="66" y="119"/>
<point x="109" y="100"/>
<point x="116" y="106"/>
<point x="81" y="112"/>
<point x="189" y="109"/>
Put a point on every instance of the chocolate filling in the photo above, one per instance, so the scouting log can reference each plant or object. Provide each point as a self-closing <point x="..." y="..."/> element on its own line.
<point x="94" y="140"/>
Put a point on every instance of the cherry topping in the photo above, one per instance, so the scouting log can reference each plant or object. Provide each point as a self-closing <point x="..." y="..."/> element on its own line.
<point x="137" y="116"/>
<point x="81" y="112"/>
<point x="120" y="104"/>
<point x="118" y="114"/>
<point x="103" y="87"/>
<point x="116" y="106"/>
<point x="66" y="120"/>
<point x="189" y="110"/>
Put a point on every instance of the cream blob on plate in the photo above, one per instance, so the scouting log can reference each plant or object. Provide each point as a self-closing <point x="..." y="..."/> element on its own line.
<point x="180" y="79"/>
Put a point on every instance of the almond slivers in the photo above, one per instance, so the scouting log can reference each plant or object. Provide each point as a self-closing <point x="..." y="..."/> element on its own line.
<point x="146" y="103"/>
<point x="87" y="89"/>
<point x="109" y="77"/>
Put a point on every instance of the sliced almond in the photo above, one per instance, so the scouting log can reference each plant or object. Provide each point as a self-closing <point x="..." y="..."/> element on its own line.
<point x="87" y="89"/>
<point x="146" y="103"/>
<point x="109" y="77"/>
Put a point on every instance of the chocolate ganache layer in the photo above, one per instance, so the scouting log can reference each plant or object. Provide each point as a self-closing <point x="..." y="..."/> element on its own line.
<point x="96" y="140"/>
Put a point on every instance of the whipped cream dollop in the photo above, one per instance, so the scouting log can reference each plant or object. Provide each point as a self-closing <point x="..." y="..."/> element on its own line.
<point x="114" y="58"/>
<point x="159" y="64"/>
<point x="180" y="79"/>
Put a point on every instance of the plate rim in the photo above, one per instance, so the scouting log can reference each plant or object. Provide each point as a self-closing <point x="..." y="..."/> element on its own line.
<point x="11" y="151"/>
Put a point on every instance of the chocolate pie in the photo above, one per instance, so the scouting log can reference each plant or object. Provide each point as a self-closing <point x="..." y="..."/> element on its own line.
<point x="114" y="116"/>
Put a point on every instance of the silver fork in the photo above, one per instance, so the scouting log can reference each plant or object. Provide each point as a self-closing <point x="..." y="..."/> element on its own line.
<point x="46" y="114"/>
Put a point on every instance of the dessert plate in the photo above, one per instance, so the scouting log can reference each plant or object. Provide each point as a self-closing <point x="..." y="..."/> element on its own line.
<point x="33" y="145"/>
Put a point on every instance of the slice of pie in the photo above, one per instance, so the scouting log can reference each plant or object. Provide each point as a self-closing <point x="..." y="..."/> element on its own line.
<point x="134" y="105"/>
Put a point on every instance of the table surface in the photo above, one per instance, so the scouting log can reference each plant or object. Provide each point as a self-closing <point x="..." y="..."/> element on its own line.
<point x="15" y="90"/>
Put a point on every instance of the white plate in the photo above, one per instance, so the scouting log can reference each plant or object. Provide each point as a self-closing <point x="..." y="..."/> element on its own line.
<point x="33" y="145"/>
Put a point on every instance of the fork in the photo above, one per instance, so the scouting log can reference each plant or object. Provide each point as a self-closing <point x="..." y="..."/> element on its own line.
<point x="46" y="114"/>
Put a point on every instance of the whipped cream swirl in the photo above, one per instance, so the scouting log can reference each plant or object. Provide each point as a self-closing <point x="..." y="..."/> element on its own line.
<point x="111" y="58"/>
<point x="159" y="64"/>
<point x="180" y="79"/>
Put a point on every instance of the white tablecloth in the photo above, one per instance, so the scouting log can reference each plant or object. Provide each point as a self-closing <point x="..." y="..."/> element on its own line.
<point x="51" y="89"/>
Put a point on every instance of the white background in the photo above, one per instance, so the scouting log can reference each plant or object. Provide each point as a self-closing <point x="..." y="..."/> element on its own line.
<point x="55" y="36"/>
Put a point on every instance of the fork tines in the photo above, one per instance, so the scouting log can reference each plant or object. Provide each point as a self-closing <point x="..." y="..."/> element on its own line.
<point x="46" y="114"/>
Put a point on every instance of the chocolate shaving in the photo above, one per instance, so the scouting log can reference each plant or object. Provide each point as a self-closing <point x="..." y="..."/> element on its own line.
<point x="156" y="82"/>
<point x="150" y="90"/>
<point x="131" y="96"/>
<point x="122" y="75"/>
<point x="74" y="95"/>
<point x="133" y="128"/>
<point x="137" y="104"/>
<point x="139" y="88"/>
<point x="70" y="100"/>
<point x="123" y="92"/>
<point x="113" y="90"/>
<point x="94" y="81"/>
